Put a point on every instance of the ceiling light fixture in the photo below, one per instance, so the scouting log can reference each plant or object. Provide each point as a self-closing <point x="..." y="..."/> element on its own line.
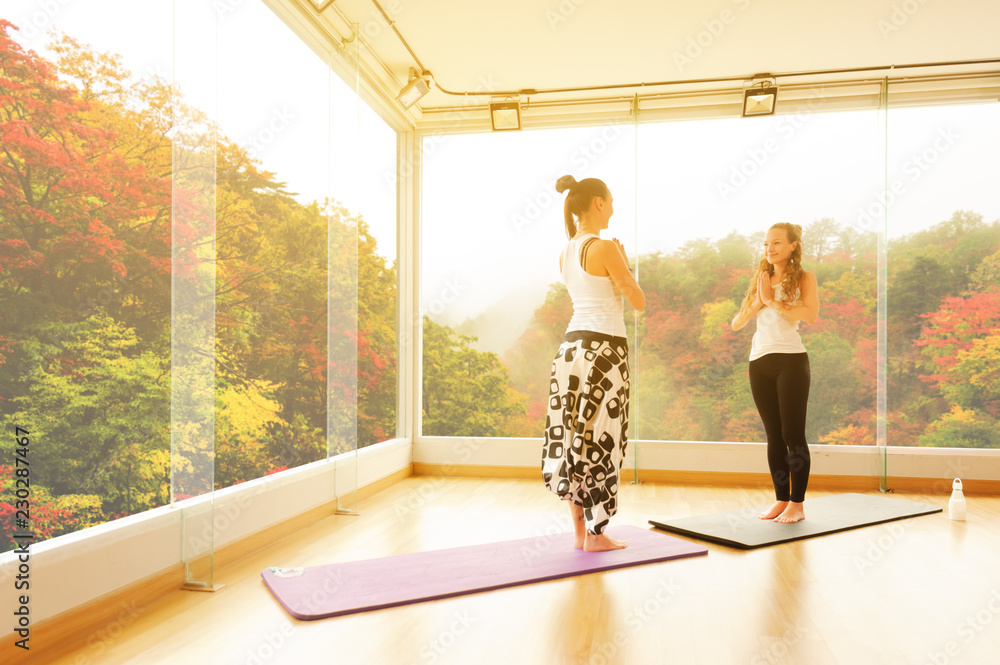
<point x="505" y="115"/>
<point x="760" y="96"/>
<point x="415" y="90"/>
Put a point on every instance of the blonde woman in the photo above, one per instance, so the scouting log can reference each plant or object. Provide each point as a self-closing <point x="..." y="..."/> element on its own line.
<point x="586" y="430"/>
<point x="781" y="294"/>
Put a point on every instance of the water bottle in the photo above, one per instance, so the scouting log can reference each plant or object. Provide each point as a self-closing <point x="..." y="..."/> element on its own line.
<point x="956" y="506"/>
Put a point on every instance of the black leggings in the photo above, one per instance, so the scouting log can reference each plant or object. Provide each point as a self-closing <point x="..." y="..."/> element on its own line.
<point x="780" y="386"/>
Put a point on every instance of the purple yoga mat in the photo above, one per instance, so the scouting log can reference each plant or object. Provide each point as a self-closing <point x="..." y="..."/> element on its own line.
<point x="317" y="592"/>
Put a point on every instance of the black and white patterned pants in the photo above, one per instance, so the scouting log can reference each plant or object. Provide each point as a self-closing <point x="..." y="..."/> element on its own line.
<point x="586" y="430"/>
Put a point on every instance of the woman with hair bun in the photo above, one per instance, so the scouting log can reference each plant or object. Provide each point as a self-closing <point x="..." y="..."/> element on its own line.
<point x="781" y="294"/>
<point x="586" y="430"/>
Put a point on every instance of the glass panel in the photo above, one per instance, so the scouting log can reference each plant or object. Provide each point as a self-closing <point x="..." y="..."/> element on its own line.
<point x="193" y="282"/>
<point x="882" y="452"/>
<point x="494" y="309"/>
<point x="708" y="192"/>
<point x="633" y="340"/>
<point x="90" y="338"/>
<point x="375" y="203"/>
<point x="342" y="292"/>
<point x="84" y="270"/>
<point x="271" y="389"/>
<point x="944" y="276"/>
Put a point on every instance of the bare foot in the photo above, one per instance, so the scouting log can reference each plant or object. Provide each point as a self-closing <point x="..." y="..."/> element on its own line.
<point x="578" y="527"/>
<point x="793" y="513"/>
<point x="773" y="511"/>
<point x="602" y="543"/>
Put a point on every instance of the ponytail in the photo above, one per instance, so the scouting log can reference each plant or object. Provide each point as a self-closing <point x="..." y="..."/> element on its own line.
<point x="578" y="200"/>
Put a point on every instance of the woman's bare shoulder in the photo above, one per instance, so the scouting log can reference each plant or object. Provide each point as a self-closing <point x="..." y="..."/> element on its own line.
<point x="601" y="245"/>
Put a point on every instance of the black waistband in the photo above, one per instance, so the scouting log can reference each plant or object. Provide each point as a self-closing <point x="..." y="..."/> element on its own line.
<point x="590" y="335"/>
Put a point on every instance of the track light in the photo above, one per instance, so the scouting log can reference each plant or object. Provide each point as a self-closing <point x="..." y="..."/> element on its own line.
<point x="415" y="90"/>
<point x="761" y="97"/>
<point x="505" y="115"/>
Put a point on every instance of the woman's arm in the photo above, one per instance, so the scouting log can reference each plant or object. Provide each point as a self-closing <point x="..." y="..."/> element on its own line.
<point x="743" y="316"/>
<point x="808" y="311"/>
<point x="765" y="292"/>
<point x="609" y="256"/>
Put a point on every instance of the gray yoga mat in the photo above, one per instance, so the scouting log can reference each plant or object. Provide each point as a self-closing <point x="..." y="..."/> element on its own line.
<point x="828" y="514"/>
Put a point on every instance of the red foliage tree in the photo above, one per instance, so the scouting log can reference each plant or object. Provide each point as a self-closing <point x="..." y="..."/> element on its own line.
<point x="76" y="209"/>
<point x="954" y="326"/>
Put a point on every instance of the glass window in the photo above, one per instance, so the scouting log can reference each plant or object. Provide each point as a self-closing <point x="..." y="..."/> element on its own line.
<point x="85" y="252"/>
<point x="708" y="192"/>
<point x="85" y="228"/>
<point x="943" y="276"/>
<point x="494" y="309"/>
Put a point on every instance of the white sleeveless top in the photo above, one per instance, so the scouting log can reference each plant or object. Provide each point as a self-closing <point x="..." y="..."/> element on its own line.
<point x="774" y="334"/>
<point x="597" y="303"/>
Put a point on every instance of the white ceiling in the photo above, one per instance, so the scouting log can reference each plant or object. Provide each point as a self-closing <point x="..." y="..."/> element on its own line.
<point x="473" y="45"/>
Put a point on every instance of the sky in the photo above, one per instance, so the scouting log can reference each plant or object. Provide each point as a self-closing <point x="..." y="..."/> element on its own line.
<point x="492" y="221"/>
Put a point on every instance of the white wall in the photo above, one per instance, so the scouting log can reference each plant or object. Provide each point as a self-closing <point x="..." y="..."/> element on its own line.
<point x="937" y="463"/>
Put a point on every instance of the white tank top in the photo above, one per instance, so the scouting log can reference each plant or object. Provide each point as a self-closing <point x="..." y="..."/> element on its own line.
<point x="774" y="334"/>
<point x="597" y="303"/>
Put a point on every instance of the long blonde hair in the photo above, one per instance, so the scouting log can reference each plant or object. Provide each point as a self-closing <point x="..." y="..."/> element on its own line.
<point x="793" y="271"/>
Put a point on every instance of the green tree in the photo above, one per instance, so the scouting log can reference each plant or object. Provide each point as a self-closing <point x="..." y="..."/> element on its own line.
<point x="96" y="407"/>
<point x="962" y="428"/>
<point x="987" y="274"/>
<point x="466" y="392"/>
<point x="913" y="291"/>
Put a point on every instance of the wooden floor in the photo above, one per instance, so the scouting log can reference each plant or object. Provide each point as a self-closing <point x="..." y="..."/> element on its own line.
<point x="921" y="590"/>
